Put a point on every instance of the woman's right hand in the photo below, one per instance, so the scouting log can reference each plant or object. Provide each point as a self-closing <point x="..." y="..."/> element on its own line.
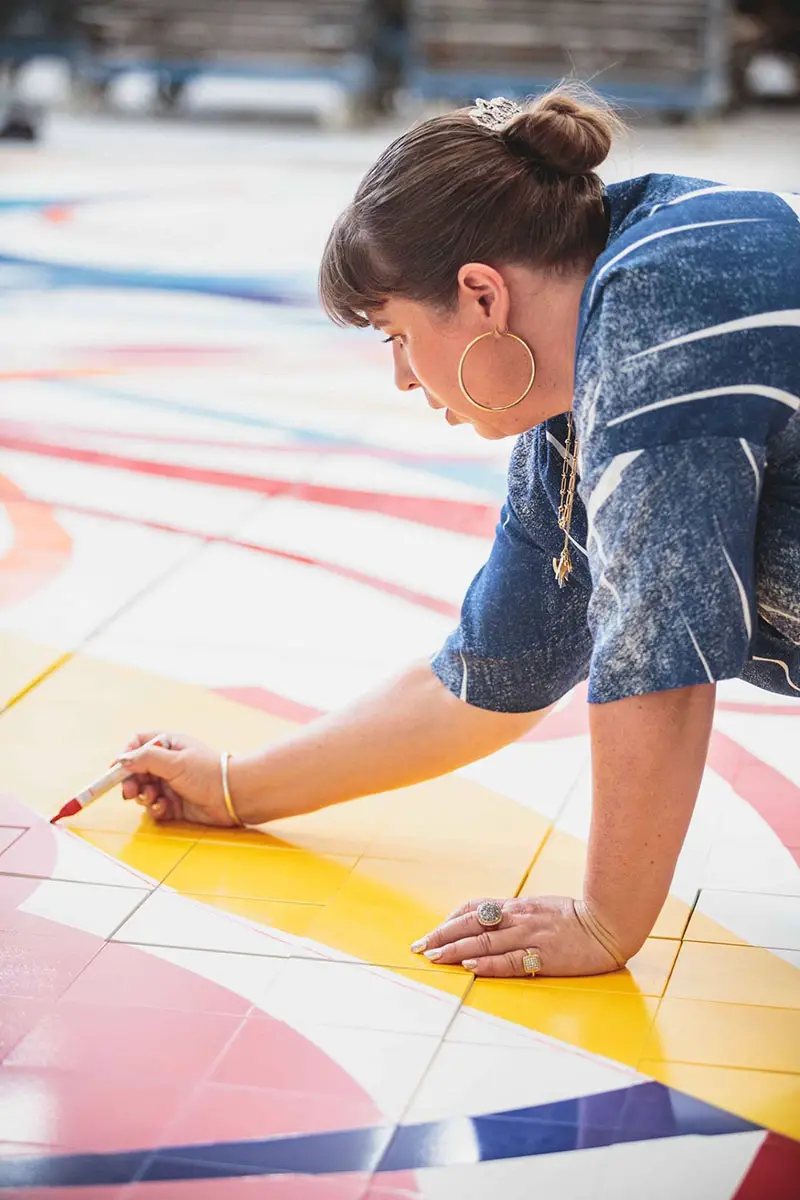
<point x="182" y="783"/>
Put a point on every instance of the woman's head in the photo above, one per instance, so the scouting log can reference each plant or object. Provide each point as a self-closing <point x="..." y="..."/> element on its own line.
<point x="482" y="219"/>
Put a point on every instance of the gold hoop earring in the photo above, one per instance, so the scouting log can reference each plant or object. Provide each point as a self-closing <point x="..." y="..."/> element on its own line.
<point x="463" y="387"/>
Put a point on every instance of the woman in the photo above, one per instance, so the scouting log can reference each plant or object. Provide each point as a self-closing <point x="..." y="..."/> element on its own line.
<point x="644" y="343"/>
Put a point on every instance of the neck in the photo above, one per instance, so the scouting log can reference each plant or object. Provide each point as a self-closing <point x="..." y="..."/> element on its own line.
<point x="544" y="311"/>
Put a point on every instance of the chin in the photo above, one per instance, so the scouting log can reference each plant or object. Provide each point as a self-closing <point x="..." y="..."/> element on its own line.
<point x="489" y="434"/>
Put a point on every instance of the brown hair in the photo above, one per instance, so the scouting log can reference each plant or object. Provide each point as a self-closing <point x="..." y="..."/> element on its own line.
<point x="452" y="191"/>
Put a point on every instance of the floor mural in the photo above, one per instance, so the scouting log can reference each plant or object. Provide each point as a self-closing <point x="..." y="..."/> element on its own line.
<point x="213" y="509"/>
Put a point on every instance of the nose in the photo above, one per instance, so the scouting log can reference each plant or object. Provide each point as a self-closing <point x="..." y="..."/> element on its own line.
<point x="404" y="378"/>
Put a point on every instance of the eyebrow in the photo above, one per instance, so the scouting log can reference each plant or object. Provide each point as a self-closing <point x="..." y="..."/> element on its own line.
<point x="379" y="324"/>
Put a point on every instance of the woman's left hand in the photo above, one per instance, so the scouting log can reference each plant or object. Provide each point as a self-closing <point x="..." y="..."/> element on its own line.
<point x="548" y="925"/>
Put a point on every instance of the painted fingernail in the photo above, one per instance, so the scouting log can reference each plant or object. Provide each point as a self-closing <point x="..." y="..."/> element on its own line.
<point x="469" y="964"/>
<point x="433" y="954"/>
<point x="418" y="947"/>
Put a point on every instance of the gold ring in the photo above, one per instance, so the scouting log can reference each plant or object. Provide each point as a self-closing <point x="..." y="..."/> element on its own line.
<point x="531" y="963"/>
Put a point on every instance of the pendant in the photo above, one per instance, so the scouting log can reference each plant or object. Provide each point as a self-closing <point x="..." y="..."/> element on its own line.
<point x="562" y="567"/>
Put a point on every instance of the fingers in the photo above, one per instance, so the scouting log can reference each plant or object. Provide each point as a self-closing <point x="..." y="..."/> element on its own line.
<point x="471" y="905"/>
<point x="154" y="760"/>
<point x="138" y="740"/>
<point x="467" y="925"/>
<point x="500" y="966"/>
<point x="487" y="943"/>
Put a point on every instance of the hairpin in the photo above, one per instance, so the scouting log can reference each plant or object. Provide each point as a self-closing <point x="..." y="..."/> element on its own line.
<point x="494" y="114"/>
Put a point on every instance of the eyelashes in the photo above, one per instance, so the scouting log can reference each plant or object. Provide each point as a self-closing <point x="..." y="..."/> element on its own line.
<point x="388" y="339"/>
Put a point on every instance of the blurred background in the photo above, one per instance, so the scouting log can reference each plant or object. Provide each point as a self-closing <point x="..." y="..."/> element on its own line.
<point x="349" y="62"/>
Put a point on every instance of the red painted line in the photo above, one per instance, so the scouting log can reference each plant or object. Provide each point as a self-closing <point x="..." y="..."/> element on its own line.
<point x="771" y="794"/>
<point x="420" y="599"/>
<point x="455" y="516"/>
<point x="55" y="433"/>
<point x="272" y="703"/>
<point x="774" y="1173"/>
<point x="760" y="710"/>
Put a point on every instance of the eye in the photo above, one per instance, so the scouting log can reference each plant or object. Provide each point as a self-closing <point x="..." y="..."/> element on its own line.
<point x="392" y="338"/>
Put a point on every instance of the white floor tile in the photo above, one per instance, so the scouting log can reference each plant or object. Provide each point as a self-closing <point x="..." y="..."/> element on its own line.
<point x="248" y="975"/>
<point x="361" y="997"/>
<point x="468" y="1079"/>
<point x="762" y="920"/>
<point x="92" y="907"/>
<point x="168" y="919"/>
<point x="389" y="1066"/>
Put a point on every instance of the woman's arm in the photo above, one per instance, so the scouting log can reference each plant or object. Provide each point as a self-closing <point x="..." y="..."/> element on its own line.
<point x="648" y="754"/>
<point x="407" y="731"/>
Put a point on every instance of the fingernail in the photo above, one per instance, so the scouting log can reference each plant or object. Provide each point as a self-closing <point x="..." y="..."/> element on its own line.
<point x="125" y="760"/>
<point x="418" y="947"/>
<point x="469" y="964"/>
<point x="433" y="954"/>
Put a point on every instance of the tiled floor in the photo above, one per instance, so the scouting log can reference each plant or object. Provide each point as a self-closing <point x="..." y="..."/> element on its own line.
<point x="211" y="512"/>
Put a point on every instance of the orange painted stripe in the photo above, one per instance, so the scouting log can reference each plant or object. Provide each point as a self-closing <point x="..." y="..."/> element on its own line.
<point x="40" y="551"/>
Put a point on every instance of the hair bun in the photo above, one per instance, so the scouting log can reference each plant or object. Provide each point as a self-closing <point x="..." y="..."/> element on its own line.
<point x="560" y="132"/>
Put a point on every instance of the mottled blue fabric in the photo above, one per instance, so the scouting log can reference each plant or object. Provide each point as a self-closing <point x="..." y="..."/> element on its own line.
<point x="686" y="527"/>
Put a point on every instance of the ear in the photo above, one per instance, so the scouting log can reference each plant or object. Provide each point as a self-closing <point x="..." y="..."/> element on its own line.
<point x="483" y="295"/>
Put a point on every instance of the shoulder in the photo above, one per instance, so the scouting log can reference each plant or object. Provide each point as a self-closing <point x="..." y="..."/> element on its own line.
<point x="699" y="296"/>
<point x="686" y="240"/>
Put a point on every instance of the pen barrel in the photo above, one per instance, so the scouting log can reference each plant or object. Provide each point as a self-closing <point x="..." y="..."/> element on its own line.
<point x="103" y="784"/>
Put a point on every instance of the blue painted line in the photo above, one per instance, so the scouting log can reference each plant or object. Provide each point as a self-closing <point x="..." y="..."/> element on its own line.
<point x="643" y="1112"/>
<point x="256" y="288"/>
<point x="481" y="475"/>
<point x="34" y="203"/>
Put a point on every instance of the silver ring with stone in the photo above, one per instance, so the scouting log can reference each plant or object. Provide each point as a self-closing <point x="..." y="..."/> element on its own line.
<point x="489" y="914"/>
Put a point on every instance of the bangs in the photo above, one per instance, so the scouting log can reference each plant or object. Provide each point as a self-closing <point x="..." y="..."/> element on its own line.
<point x="351" y="282"/>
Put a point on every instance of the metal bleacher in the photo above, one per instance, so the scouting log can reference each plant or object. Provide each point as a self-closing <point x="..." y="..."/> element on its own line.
<point x="181" y="39"/>
<point x="665" y="55"/>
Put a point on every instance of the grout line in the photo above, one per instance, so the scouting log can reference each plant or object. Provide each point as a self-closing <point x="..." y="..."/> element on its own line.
<point x="679" y="1062"/>
<point x="104" y="623"/>
<point x="122" y="887"/>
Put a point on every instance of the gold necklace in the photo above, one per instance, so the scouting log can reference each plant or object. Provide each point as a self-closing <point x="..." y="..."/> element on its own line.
<point x="562" y="566"/>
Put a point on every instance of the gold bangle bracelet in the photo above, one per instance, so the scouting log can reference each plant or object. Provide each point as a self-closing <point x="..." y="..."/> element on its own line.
<point x="226" y="791"/>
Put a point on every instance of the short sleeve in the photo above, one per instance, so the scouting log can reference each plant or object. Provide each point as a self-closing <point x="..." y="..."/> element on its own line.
<point x="672" y="556"/>
<point x="685" y="397"/>
<point x="523" y="642"/>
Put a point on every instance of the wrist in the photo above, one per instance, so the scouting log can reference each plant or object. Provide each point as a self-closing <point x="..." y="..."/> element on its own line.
<point x="613" y="940"/>
<point x="246" y="788"/>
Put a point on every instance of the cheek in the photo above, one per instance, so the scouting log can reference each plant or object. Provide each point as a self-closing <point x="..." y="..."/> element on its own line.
<point x="435" y="365"/>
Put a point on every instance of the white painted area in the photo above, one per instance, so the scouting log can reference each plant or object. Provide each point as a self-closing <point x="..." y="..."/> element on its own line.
<point x="434" y="562"/>
<point x="538" y="775"/>
<point x="773" y="739"/>
<point x="703" y="1168"/>
<point x="252" y="976"/>
<point x="762" y="920"/>
<point x="233" y="618"/>
<point x="169" y="919"/>
<point x="358" y="996"/>
<point x="109" y="565"/>
<point x="468" y="1078"/>
<point x="92" y="907"/>
<point x="174" y="502"/>
<point x="76" y="860"/>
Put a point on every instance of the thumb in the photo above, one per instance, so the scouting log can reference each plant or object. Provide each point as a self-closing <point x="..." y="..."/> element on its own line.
<point x="151" y="760"/>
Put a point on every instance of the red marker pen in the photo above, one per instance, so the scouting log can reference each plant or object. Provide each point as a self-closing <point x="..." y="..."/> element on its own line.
<point x="104" y="784"/>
